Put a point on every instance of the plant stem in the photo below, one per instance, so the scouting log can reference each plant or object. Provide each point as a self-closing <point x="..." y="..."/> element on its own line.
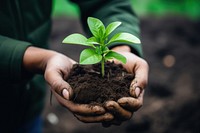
<point x="102" y="67"/>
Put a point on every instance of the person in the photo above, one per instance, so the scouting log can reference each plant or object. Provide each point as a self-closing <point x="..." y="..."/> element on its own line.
<point x="26" y="61"/>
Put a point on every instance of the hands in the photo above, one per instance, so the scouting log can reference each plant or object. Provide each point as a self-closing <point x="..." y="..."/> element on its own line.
<point x="113" y="112"/>
<point x="122" y="110"/>
<point x="56" y="68"/>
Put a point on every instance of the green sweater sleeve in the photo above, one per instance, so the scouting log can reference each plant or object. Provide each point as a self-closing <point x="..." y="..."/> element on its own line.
<point x="109" y="11"/>
<point x="11" y="56"/>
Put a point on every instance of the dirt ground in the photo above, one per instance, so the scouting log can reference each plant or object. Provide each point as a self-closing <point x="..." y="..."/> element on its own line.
<point x="171" y="102"/>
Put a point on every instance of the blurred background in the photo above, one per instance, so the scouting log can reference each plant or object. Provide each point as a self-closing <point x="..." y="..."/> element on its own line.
<point x="189" y="8"/>
<point x="170" y="34"/>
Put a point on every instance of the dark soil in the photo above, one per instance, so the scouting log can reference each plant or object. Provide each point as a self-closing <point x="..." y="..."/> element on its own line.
<point x="91" y="88"/>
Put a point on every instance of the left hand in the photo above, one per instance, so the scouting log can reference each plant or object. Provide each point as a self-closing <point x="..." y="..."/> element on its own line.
<point x="124" y="108"/>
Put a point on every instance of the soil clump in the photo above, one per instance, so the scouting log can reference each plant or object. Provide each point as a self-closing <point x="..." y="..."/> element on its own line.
<point x="91" y="88"/>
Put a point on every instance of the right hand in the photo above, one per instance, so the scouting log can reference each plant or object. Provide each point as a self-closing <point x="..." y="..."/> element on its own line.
<point x="56" y="68"/>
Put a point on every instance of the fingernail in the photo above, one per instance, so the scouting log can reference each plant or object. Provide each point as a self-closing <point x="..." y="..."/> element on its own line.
<point x="111" y="107"/>
<point x="108" y="117"/>
<point x="132" y="91"/>
<point x="65" y="94"/>
<point x="99" y="110"/>
<point x="137" y="91"/>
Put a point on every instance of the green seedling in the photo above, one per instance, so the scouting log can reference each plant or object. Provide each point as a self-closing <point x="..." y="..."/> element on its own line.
<point x="99" y="42"/>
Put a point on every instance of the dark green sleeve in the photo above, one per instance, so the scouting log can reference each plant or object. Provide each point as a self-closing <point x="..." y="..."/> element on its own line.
<point x="11" y="57"/>
<point x="109" y="11"/>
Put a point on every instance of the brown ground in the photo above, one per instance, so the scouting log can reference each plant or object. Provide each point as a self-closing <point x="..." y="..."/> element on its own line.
<point x="171" y="102"/>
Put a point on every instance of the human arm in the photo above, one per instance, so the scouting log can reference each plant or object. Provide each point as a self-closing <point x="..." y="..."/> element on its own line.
<point x="11" y="55"/>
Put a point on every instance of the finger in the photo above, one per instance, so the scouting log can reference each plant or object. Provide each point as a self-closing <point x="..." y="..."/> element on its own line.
<point x="117" y="110"/>
<point x="58" y="84"/>
<point x="95" y="119"/>
<point x="130" y="103"/>
<point x="135" y="90"/>
<point x="80" y="109"/>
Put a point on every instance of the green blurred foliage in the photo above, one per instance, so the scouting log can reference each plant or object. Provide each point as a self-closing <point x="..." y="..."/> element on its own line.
<point x="65" y="7"/>
<point x="189" y="8"/>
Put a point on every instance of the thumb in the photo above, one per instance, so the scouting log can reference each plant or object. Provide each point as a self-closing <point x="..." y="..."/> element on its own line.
<point x="140" y="81"/>
<point x="59" y="85"/>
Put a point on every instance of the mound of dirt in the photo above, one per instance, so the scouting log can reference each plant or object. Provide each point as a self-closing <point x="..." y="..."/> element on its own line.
<point x="91" y="88"/>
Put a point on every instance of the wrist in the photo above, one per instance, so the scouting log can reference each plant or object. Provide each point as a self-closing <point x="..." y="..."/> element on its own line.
<point x="35" y="59"/>
<point x="122" y="48"/>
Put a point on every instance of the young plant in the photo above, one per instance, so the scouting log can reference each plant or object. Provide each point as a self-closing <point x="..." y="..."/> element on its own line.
<point x="99" y="42"/>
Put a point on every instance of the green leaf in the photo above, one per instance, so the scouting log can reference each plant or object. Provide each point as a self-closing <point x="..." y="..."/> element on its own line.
<point x="77" y="39"/>
<point x="111" y="54"/>
<point x="89" y="56"/>
<point x="111" y="27"/>
<point x="124" y="38"/>
<point x="92" y="40"/>
<point x="96" y="27"/>
<point x="98" y="50"/>
<point x="105" y="50"/>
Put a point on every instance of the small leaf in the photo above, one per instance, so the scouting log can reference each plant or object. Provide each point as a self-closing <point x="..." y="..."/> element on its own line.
<point x="105" y="50"/>
<point x="124" y="38"/>
<point x="111" y="54"/>
<point x="92" y="40"/>
<point x="96" y="26"/>
<point x="111" y="27"/>
<point x="76" y="39"/>
<point x="89" y="56"/>
<point x="98" y="50"/>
